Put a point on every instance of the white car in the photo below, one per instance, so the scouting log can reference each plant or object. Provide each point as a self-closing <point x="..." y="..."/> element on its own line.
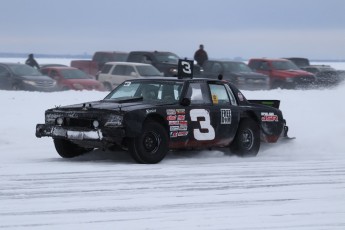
<point x="114" y="73"/>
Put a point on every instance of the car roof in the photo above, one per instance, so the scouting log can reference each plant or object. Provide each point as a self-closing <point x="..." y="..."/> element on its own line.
<point x="177" y="79"/>
<point x="224" y="61"/>
<point x="127" y="63"/>
<point x="59" y="67"/>
<point x="269" y="59"/>
<point x="152" y="51"/>
<point x="12" y="63"/>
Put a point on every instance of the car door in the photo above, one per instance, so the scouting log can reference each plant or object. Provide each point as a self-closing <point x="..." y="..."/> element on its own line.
<point x="5" y="78"/>
<point x="211" y="117"/>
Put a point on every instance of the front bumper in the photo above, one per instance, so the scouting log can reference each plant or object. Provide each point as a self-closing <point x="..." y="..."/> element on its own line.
<point x="105" y="136"/>
<point x="61" y="132"/>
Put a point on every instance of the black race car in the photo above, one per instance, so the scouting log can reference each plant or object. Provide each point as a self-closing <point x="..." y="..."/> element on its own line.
<point x="150" y="116"/>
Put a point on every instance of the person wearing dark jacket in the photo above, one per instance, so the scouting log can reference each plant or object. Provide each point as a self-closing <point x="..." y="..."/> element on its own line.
<point x="200" y="56"/>
<point x="32" y="62"/>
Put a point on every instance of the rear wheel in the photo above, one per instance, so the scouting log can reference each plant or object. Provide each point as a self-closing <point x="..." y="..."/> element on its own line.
<point x="67" y="149"/>
<point x="16" y="87"/>
<point x="151" y="145"/>
<point x="247" y="139"/>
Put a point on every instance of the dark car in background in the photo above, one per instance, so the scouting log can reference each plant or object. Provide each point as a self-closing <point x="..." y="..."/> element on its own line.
<point x="238" y="73"/>
<point x="16" y="76"/>
<point x="70" y="78"/>
<point x="326" y="76"/>
<point x="165" y="62"/>
<point x="299" y="61"/>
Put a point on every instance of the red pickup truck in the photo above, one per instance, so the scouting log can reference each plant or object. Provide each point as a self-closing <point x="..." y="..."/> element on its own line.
<point x="98" y="60"/>
<point x="283" y="73"/>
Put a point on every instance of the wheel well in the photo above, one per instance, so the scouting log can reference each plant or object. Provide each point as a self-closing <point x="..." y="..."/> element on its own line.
<point x="249" y="115"/>
<point x="156" y="118"/>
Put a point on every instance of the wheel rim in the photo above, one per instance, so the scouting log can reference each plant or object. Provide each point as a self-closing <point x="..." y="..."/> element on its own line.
<point x="247" y="139"/>
<point x="151" y="142"/>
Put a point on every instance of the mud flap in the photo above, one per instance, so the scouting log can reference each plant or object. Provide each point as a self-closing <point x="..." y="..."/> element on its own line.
<point x="285" y="134"/>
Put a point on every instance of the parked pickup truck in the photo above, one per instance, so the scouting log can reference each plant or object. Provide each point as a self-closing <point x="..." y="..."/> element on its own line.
<point x="283" y="73"/>
<point x="98" y="60"/>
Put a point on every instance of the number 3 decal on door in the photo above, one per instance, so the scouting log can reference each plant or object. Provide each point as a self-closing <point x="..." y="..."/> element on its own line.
<point x="209" y="134"/>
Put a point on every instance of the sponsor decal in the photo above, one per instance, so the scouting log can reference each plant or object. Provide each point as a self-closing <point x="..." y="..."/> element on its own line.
<point x="181" y="117"/>
<point x="268" y="117"/>
<point x="173" y="134"/>
<point x="180" y="111"/>
<point x="174" y="128"/>
<point x="225" y="118"/>
<point x="171" y="118"/>
<point x="182" y="127"/>
<point x="171" y="112"/>
<point x="182" y="133"/>
<point x="183" y="122"/>
<point x="150" y="111"/>
<point x="174" y="122"/>
<point x="214" y="99"/>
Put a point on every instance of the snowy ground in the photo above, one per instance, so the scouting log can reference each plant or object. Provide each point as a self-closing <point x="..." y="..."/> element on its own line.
<point x="294" y="185"/>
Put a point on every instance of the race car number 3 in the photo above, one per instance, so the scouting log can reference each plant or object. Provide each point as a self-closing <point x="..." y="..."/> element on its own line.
<point x="206" y="131"/>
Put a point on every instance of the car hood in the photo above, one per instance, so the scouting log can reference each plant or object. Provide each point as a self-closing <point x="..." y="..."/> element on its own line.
<point x="109" y="105"/>
<point x="36" y="78"/>
<point x="292" y="73"/>
<point x="82" y="81"/>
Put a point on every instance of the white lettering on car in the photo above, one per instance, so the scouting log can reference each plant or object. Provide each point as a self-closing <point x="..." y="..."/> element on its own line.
<point x="206" y="131"/>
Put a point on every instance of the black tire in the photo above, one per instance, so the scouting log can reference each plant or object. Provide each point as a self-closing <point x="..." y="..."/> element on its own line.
<point x="151" y="145"/>
<point x="247" y="139"/>
<point x="67" y="149"/>
<point x="16" y="87"/>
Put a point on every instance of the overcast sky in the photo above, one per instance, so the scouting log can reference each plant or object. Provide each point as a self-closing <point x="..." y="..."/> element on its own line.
<point x="227" y="28"/>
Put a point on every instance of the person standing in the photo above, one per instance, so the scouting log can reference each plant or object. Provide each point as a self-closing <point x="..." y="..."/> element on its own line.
<point x="32" y="62"/>
<point x="200" y="56"/>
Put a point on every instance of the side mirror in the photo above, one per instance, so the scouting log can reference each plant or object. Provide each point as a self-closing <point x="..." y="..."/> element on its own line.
<point x="185" y="102"/>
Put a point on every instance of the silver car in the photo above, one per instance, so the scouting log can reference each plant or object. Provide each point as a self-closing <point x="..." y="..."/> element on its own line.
<point x="114" y="73"/>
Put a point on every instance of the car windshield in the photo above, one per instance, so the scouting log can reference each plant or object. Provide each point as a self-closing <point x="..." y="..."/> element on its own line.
<point x="167" y="58"/>
<point x="149" y="91"/>
<point x="73" y="74"/>
<point x="236" y="67"/>
<point x="148" y="70"/>
<point x="24" y="70"/>
<point x="284" y="65"/>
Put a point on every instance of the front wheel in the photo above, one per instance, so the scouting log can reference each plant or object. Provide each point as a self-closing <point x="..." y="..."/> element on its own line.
<point x="247" y="139"/>
<point x="67" y="149"/>
<point x="151" y="145"/>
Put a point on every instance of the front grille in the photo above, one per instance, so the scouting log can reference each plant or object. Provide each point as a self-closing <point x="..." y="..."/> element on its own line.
<point x="77" y="122"/>
<point x="304" y="80"/>
<point x="45" y="84"/>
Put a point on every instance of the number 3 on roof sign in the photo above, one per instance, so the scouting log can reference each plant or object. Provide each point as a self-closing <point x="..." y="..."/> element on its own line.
<point x="185" y="68"/>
